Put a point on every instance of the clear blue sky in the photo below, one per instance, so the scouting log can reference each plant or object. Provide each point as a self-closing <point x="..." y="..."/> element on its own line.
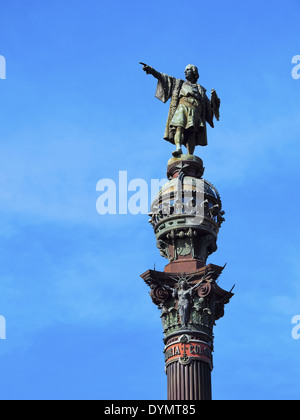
<point x="75" y="108"/>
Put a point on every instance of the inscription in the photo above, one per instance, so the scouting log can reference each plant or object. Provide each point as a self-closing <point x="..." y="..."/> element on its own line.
<point x="185" y="352"/>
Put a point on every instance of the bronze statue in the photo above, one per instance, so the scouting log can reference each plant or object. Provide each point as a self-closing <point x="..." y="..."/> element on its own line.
<point x="184" y="293"/>
<point x="190" y="108"/>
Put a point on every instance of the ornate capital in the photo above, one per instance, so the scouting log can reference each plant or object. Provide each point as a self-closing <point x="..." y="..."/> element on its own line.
<point x="190" y="302"/>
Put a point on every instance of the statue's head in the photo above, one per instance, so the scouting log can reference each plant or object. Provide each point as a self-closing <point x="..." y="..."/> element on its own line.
<point x="191" y="73"/>
<point x="183" y="285"/>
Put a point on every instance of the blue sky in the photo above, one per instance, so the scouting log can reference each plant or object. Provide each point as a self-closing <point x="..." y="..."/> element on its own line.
<point x="76" y="108"/>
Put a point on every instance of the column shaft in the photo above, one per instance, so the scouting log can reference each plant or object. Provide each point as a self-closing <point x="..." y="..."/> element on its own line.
<point x="190" y="382"/>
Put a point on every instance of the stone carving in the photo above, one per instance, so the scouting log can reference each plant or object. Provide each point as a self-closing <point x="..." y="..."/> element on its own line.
<point x="188" y="302"/>
<point x="183" y="293"/>
<point x="186" y="214"/>
<point x="163" y="249"/>
<point x="206" y="246"/>
<point x="190" y="108"/>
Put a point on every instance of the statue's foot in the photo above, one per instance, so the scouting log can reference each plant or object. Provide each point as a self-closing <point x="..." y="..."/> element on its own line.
<point x="177" y="153"/>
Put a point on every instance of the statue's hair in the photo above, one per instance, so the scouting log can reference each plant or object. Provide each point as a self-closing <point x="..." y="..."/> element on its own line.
<point x="195" y="70"/>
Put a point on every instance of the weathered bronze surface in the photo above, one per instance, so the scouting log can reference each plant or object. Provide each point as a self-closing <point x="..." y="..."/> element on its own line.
<point x="186" y="216"/>
<point x="190" y="108"/>
<point x="190" y="302"/>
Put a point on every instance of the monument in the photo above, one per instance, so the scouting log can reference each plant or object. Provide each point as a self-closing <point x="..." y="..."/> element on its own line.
<point x="186" y="216"/>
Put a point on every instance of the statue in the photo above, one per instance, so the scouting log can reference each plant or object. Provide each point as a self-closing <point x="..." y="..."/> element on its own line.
<point x="183" y="293"/>
<point x="190" y="108"/>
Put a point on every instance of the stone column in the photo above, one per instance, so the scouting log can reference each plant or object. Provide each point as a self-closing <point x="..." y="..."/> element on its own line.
<point x="186" y="216"/>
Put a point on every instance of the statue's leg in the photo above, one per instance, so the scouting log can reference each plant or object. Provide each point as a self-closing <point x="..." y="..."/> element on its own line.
<point x="191" y="143"/>
<point x="178" y="139"/>
<point x="182" y="317"/>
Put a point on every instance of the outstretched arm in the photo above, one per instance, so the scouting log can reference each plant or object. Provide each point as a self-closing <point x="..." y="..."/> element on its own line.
<point x="192" y="289"/>
<point x="164" y="286"/>
<point x="200" y="282"/>
<point x="165" y="83"/>
<point x="151" y="70"/>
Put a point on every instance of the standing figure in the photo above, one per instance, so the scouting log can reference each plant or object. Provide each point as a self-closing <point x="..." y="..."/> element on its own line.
<point x="190" y="108"/>
<point x="184" y="296"/>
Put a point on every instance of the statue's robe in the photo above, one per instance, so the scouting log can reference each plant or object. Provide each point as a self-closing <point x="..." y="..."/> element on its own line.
<point x="169" y="87"/>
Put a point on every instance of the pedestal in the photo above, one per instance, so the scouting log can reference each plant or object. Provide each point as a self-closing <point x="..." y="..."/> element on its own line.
<point x="186" y="217"/>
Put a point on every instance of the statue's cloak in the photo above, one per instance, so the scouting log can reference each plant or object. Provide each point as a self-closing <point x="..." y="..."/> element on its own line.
<point x="169" y="87"/>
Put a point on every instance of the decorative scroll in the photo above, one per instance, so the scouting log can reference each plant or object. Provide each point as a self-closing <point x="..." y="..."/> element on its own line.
<point x="159" y="295"/>
<point x="188" y="301"/>
<point x="204" y="290"/>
